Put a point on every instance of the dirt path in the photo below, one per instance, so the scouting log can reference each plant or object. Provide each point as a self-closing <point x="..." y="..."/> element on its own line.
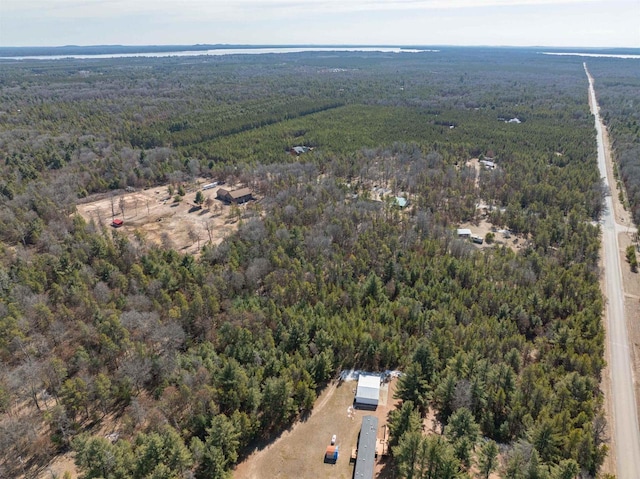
<point x="475" y="164"/>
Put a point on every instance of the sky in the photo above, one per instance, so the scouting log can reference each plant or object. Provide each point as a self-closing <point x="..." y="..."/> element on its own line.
<point x="562" y="23"/>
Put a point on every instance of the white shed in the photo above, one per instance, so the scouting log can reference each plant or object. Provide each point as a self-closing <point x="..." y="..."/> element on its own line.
<point x="464" y="233"/>
<point x="368" y="392"/>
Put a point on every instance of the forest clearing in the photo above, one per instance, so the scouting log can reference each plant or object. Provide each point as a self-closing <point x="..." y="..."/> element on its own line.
<point x="153" y="216"/>
<point x="298" y="452"/>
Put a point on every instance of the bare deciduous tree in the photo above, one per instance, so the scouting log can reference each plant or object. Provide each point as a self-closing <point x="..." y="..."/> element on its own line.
<point x="193" y="236"/>
<point x="209" y="226"/>
<point x="122" y="203"/>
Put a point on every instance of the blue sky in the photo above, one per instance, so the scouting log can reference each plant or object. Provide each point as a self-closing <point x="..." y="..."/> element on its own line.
<point x="596" y="23"/>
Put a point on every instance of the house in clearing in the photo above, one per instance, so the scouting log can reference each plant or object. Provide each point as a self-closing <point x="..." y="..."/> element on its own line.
<point x="299" y="150"/>
<point x="400" y="201"/>
<point x="366" y="453"/>
<point x="368" y="392"/>
<point x="117" y="223"/>
<point x="489" y="165"/>
<point x="464" y="233"/>
<point x="237" y="197"/>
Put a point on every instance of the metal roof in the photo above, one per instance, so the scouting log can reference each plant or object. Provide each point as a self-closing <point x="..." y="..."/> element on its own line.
<point x="365" y="462"/>
<point x="368" y="391"/>
<point x="401" y="202"/>
<point x="240" y="193"/>
<point x="300" y="149"/>
<point x="235" y="194"/>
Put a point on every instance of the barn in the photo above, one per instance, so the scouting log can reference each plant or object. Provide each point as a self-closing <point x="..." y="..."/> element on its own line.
<point x="368" y="392"/>
<point x="236" y="196"/>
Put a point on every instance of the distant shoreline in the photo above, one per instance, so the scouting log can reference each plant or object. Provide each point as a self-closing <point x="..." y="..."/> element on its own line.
<point x="115" y="51"/>
<point x="151" y="51"/>
<point x="593" y="55"/>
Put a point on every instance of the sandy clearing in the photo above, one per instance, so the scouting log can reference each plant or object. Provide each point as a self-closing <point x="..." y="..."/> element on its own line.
<point x="153" y="215"/>
<point x="481" y="227"/>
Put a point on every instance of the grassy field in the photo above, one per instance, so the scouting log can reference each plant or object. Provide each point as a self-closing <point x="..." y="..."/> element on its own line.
<point x="299" y="452"/>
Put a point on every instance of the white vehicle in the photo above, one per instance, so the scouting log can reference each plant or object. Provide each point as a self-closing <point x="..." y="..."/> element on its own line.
<point x="333" y="440"/>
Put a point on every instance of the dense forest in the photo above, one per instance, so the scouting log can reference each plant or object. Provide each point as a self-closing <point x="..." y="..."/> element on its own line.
<point x="200" y="357"/>
<point x="618" y="87"/>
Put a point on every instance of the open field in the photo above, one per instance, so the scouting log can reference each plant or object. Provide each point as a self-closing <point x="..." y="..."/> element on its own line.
<point x="299" y="452"/>
<point x="153" y="215"/>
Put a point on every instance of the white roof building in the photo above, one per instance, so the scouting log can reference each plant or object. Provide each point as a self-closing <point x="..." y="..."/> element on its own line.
<point x="368" y="392"/>
<point x="488" y="164"/>
<point x="464" y="232"/>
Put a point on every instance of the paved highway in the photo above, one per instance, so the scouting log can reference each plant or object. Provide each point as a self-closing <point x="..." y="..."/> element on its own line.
<point x="626" y="440"/>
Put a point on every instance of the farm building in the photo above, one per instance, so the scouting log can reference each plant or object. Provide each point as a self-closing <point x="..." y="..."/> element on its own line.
<point x="331" y="455"/>
<point x="117" y="223"/>
<point x="236" y="196"/>
<point x="366" y="455"/>
<point x="464" y="233"/>
<point x="368" y="392"/>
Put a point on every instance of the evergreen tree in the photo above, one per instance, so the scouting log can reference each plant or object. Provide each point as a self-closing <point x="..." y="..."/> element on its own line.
<point x="412" y="387"/>
<point x="488" y="459"/>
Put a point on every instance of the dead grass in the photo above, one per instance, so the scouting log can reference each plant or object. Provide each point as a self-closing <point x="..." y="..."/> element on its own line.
<point x="299" y="452"/>
<point x="59" y="466"/>
<point x="631" y="285"/>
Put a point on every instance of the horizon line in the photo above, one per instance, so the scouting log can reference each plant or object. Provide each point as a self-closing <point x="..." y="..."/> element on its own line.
<point x="312" y="45"/>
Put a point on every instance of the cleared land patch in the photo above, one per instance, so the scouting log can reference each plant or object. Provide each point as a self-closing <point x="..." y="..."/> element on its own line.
<point x="299" y="452"/>
<point x="153" y="215"/>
